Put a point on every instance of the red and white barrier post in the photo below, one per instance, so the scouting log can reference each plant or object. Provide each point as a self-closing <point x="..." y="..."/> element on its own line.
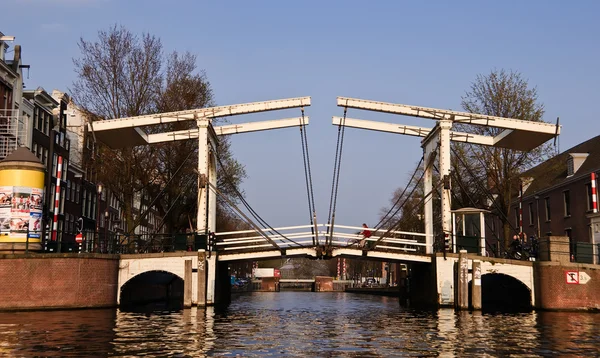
<point x="57" y="199"/>
<point x="594" y="195"/>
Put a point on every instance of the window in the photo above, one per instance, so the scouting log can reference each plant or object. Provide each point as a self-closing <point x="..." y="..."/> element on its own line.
<point x="77" y="193"/>
<point x="84" y="208"/>
<point x="54" y="164"/>
<point x="46" y="122"/>
<point x="547" y="205"/>
<point x="52" y="196"/>
<point x="45" y="156"/>
<point x="530" y="213"/>
<point x="590" y="197"/>
<point x="62" y="200"/>
<point x="65" y="167"/>
<point x="38" y="116"/>
<point x="93" y="206"/>
<point x="567" y="202"/>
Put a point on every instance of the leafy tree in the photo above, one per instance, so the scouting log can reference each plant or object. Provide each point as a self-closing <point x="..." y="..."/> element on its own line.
<point x="482" y="174"/>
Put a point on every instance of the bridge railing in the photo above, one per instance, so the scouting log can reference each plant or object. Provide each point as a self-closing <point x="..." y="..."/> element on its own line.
<point x="290" y="236"/>
<point x="404" y="241"/>
<point x="303" y="235"/>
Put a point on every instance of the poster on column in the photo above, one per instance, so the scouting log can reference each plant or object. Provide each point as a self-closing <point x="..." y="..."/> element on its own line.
<point x="19" y="216"/>
<point x="35" y="213"/>
<point x="5" y="204"/>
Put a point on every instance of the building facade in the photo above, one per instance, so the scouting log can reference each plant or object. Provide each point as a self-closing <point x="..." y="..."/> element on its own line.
<point x="557" y="200"/>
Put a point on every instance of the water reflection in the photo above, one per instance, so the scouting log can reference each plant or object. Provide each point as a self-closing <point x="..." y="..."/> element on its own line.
<point x="57" y="333"/>
<point x="298" y="324"/>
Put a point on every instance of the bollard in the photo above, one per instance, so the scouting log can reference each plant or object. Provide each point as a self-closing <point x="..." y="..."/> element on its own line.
<point x="201" y="278"/>
<point x="463" y="281"/>
<point x="187" y="284"/>
<point x="476" y="286"/>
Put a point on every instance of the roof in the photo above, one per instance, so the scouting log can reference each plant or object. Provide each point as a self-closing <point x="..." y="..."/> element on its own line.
<point x="22" y="155"/>
<point x="553" y="172"/>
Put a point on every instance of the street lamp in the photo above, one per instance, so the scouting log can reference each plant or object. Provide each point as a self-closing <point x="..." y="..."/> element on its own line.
<point x="99" y="188"/>
<point x="106" y="214"/>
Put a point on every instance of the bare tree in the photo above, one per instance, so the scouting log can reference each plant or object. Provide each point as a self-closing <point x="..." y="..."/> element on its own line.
<point x="123" y="75"/>
<point x="482" y="174"/>
<point x="119" y="75"/>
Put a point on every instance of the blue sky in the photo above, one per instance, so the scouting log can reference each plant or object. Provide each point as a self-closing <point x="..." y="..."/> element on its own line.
<point x="419" y="53"/>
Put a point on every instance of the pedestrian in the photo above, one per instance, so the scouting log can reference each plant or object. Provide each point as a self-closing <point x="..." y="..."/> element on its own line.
<point x="366" y="233"/>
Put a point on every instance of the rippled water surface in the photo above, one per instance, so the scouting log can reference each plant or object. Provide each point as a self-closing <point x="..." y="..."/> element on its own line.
<point x="298" y="324"/>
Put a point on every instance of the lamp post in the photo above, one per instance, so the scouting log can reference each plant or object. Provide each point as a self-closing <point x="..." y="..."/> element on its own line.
<point x="99" y="188"/>
<point x="106" y="214"/>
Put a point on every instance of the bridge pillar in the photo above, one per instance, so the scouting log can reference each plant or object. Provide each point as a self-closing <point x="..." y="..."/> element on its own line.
<point x="187" y="284"/>
<point x="476" y="285"/>
<point x="461" y="281"/>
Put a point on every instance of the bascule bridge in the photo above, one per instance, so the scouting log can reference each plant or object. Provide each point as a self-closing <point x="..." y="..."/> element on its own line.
<point x="205" y="272"/>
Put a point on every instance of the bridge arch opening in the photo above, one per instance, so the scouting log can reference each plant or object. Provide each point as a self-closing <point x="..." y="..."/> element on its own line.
<point x="503" y="293"/>
<point x="152" y="290"/>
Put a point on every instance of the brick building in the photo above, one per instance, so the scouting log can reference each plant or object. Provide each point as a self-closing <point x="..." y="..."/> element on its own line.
<point x="557" y="198"/>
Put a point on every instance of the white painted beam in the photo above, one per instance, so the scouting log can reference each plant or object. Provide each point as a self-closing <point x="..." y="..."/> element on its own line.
<point x="201" y="113"/>
<point x="412" y="130"/>
<point x="223" y="130"/>
<point x="455" y="116"/>
<point x="260" y="126"/>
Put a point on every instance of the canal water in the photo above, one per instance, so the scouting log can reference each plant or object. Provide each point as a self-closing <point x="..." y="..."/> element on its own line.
<point x="298" y="324"/>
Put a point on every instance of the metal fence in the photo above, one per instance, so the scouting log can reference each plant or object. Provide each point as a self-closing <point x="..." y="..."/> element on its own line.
<point x="118" y="243"/>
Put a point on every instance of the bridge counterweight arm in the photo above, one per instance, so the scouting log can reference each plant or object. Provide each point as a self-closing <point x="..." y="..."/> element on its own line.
<point x="226" y="129"/>
<point x="411" y="130"/>
<point x="518" y="134"/>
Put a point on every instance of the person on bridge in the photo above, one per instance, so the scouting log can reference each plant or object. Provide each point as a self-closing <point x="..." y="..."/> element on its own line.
<point x="366" y="233"/>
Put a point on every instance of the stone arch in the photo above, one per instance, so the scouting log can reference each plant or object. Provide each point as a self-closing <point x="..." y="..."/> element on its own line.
<point x="501" y="292"/>
<point x="153" y="287"/>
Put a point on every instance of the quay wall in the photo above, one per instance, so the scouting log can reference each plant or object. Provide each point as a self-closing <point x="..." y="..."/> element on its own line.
<point x="572" y="286"/>
<point x="54" y="281"/>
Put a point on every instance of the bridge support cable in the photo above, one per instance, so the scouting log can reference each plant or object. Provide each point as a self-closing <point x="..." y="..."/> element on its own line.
<point x="185" y="188"/>
<point x="308" y="177"/>
<point x="336" y="176"/>
<point x="248" y="221"/>
<point x="247" y="205"/>
<point x="486" y="192"/>
<point x="160" y="193"/>
<point x="394" y="227"/>
<point x="385" y="219"/>
<point x="487" y="223"/>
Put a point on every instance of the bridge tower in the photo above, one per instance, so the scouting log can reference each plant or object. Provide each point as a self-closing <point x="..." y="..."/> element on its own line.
<point x="129" y="132"/>
<point x="515" y="134"/>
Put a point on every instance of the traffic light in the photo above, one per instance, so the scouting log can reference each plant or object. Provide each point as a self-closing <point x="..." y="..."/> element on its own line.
<point x="447" y="242"/>
<point x="80" y="224"/>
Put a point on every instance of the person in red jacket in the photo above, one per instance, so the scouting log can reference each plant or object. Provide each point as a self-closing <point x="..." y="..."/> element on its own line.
<point x="366" y="234"/>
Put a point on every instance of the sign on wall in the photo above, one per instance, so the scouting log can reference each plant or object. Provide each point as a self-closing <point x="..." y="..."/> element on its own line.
<point x="572" y="277"/>
<point x="577" y="277"/>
